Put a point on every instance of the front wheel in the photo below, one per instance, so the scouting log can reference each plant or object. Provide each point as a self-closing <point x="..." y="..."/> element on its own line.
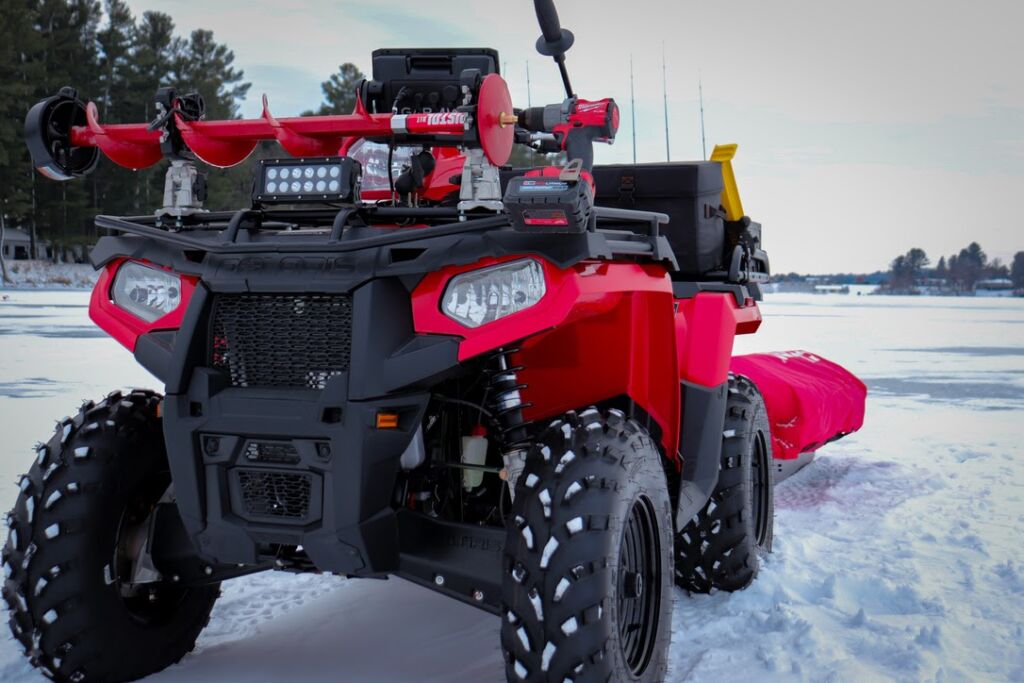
<point x="84" y="599"/>
<point x="587" y="590"/>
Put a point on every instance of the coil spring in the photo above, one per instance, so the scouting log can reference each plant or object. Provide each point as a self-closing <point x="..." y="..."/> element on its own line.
<point x="506" y="403"/>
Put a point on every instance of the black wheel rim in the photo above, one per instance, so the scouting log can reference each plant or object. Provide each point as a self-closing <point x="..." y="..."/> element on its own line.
<point x="761" y="488"/>
<point x="639" y="587"/>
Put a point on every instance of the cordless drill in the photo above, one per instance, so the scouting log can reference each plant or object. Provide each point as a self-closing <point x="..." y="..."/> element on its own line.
<point x="571" y="127"/>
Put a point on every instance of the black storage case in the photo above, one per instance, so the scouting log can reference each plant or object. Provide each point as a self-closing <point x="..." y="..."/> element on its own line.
<point x="428" y="79"/>
<point x="689" y="192"/>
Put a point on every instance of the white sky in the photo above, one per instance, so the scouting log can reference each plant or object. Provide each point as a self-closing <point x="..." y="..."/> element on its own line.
<point x="866" y="127"/>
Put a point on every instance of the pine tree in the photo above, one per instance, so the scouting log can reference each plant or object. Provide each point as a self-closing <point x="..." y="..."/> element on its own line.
<point x="18" y="42"/>
<point x="67" y="50"/>
<point x="1017" y="271"/>
<point x="206" y="67"/>
<point x="340" y="90"/>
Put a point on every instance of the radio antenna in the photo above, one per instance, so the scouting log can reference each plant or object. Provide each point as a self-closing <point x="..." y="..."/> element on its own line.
<point x="529" y="95"/>
<point x="632" y="105"/>
<point x="664" y="93"/>
<point x="703" y="138"/>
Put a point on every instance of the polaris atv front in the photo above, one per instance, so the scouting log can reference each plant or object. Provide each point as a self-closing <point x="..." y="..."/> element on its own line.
<point x="438" y="368"/>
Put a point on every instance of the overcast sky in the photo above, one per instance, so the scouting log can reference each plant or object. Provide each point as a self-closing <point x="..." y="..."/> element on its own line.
<point x="865" y="127"/>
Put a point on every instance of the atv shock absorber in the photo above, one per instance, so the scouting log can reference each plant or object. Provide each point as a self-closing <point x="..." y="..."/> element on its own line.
<point x="506" y="403"/>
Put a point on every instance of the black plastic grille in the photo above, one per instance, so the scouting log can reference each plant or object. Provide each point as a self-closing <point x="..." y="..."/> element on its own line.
<point x="275" y="494"/>
<point x="281" y="340"/>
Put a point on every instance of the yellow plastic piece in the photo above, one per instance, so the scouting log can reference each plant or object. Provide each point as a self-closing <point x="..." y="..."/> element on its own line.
<point x="730" y="192"/>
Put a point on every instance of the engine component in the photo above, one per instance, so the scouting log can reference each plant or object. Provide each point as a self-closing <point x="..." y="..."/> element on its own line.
<point x="474" y="453"/>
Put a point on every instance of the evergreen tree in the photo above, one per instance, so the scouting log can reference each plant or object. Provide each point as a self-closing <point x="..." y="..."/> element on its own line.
<point x="906" y="270"/>
<point x="971" y="261"/>
<point x="204" y="66"/>
<point x="340" y="90"/>
<point x="18" y="43"/>
<point x="154" y="49"/>
<point x="954" y="271"/>
<point x="68" y="53"/>
<point x="1017" y="271"/>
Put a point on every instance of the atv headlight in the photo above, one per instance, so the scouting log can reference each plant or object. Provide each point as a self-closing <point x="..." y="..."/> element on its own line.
<point x="145" y="292"/>
<point x="482" y="296"/>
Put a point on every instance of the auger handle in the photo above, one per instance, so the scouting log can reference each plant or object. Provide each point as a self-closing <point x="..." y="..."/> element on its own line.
<point x="554" y="41"/>
<point x="547" y="17"/>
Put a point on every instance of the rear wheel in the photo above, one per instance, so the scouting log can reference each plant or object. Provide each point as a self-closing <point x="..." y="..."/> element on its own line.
<point x="84" y="599"/>
<point x="720" y="547"/>
<point x="588" y="586"/>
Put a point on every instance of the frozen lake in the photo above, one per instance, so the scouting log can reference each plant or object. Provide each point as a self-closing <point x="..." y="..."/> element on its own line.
<point x="898" y="554"/>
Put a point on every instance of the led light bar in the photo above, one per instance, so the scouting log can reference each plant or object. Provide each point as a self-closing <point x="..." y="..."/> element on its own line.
<point x="294" y="181"/>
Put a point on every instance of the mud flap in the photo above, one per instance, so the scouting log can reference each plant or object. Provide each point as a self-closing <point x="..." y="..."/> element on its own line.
<point x="700" y="443"/>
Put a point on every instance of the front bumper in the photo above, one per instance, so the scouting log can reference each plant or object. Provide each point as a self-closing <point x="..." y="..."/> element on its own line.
<point x="259" y="468"/>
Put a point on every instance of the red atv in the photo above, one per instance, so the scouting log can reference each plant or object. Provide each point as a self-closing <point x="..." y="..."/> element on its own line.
<point x="511" y="386"/>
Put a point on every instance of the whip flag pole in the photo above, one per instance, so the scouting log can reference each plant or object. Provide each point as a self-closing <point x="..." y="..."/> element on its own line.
<point x="632" y="105"/>
<point x="664" y="93"/>
<point x="703" y="138"/>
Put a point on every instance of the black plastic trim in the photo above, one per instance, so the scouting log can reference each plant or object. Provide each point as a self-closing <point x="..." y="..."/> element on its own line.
<point x="688" y="290"/>
<point x="700" y="443"/>
<point x="466" y="557"/>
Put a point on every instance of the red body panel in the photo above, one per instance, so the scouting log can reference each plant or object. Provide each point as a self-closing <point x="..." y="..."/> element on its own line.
<point x="706" y="326"/>
<point x="122" y="325"/>
<point x="602" y="330"/>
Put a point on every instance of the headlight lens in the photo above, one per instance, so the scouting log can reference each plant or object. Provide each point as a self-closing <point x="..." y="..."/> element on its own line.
<point x="147" y="293"/>
<point x="482" y="296"/>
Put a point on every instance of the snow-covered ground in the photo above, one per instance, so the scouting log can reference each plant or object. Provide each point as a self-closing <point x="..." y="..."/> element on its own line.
<point x="898" y="554"/>
<point x="44" y="274"/>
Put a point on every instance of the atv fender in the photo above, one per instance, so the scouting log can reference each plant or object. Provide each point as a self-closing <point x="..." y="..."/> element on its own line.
<point x="700" y="442"/>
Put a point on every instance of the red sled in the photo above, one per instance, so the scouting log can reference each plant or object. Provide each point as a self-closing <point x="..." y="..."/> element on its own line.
<point x="810" y="402"/>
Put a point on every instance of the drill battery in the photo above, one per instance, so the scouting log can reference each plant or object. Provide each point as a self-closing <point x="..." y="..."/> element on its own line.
<point x="551" y="199"/>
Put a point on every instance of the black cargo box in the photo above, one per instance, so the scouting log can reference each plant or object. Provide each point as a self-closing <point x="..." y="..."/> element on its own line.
<point x="689" y="192"/>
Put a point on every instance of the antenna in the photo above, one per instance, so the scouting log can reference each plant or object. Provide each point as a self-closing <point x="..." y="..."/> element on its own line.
<point x="664" y="92"/>
<point x="529" y="95"/>
<point x="703" y="138"/>
<point x="632" y="105"/>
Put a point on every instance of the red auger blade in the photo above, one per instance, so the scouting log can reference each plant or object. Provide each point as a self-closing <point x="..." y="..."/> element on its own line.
<point x="229" y="142"/>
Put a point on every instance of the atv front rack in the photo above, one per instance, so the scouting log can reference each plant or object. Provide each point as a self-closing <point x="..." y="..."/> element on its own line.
<point x="356" y="228"/>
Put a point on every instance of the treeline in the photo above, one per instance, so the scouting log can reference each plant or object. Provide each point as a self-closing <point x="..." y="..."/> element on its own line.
<point x="118" y="61"/>
<point x="959" y="272"/>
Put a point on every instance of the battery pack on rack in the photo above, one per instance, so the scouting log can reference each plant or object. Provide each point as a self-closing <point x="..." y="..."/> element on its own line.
<point x="551" y="200"/>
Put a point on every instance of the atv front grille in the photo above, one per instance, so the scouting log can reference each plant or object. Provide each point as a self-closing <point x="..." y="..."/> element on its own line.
<point x="275" y="495"/>
<point x="281" y="340"/>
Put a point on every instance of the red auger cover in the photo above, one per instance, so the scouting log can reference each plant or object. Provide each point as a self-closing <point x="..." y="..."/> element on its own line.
<point x="810" y="400"/>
